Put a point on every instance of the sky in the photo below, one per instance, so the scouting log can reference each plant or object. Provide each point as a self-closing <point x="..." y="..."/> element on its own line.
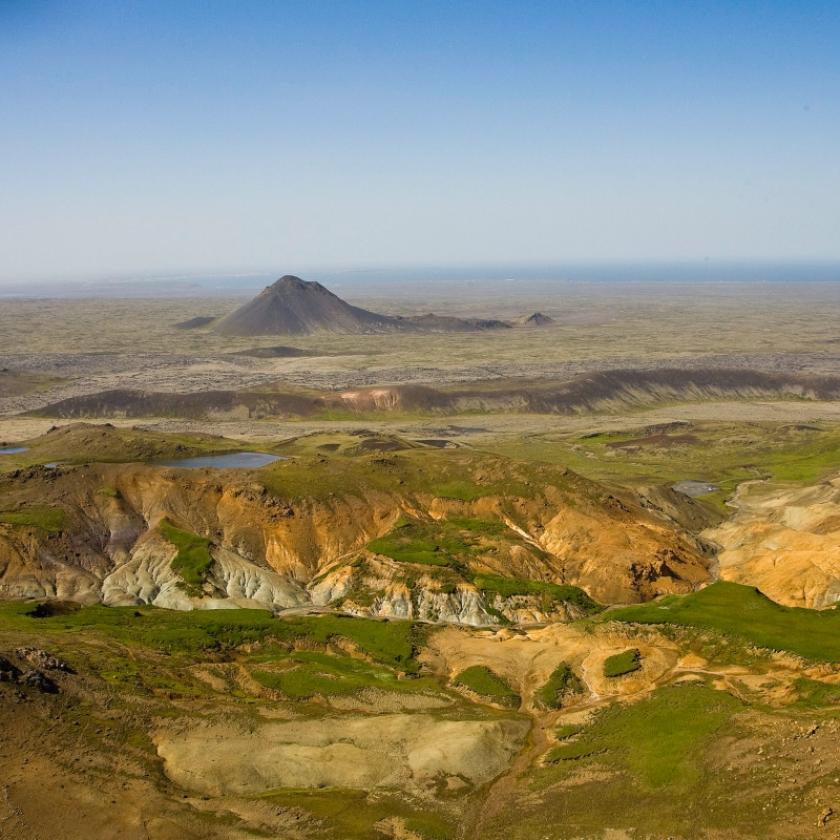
<point x="160" y="137"/>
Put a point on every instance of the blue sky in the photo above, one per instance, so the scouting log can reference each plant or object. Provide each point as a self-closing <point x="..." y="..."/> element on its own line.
<point x="228" y="136"/>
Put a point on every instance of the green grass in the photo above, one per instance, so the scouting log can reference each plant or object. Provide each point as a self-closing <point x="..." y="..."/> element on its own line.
<point x="461" y="490"/>
<point x="813" y="694"/>
<point x="48" y="519"/>
<point x="427" y="544"/>
<point x="623" y="663"/>
<point x="744" y="613"/>
<point x="724" y="453"/>
<point x="448" y="474"/>
<point x="358" y="594"/>
<point x="391" y="643"/>
<point x="314" y="673"/>
<point x="478" y="526"/>
<point x="562" y="683"/>
<point x="103" y="443"/>
<point x="552" y="593"/>
<point x="193" y="560"/>
<point x="482" y="681"/>
<point x="449" y="542"/>
<point x="659" y="742"/>
<point x="567" y="731"/>
<point x="171" y="631"/>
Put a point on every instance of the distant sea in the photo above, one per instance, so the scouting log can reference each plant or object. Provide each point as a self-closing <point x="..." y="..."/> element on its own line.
<point x="382" y="280"/>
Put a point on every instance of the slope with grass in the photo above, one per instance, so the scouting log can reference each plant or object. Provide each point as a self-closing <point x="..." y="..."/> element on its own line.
<point x="744" y="613"/>
<point x="377" y="527"/>
<point x="560" y="686"/>
<point x="193" y="560"/>
<point x="481" y="681"/>
<point x="623" y="663"/>
<point x="280" y="724"/>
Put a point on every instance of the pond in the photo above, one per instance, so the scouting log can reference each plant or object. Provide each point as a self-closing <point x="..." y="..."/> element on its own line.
<point x="12" y="450"/>
<point x="229" y="461"/>
<point x="694" y="488"/>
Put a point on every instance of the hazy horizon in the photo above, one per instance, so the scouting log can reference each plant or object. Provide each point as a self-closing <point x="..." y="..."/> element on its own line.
<point x="399" y="279"/>
<point x="163" y="138"/>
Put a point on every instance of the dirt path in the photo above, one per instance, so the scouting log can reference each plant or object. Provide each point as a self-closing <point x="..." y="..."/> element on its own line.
<point x="504" y="789"/>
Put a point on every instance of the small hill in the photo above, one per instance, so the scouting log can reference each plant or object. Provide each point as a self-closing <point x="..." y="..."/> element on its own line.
<point x="292" y="306"/>
<point x="538" y="319"/>
<point x="78" y="443"/>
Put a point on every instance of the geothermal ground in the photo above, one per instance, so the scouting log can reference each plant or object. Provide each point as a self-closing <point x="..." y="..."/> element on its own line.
<point x="575" y="580"/>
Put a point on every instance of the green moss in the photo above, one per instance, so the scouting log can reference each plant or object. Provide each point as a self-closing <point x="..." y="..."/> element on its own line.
<point x="485" y="683"/>
<point x="456" y="474"/>
<point x="553" y="593"/>
<point x="451" y="542"/>
<point x="498" y="615"/>
<point x="813" y="694"/>
<point x="422" y="543"/>
<point x="482" y="527"/>
<point x="562" y="683"/>
<point x="623" y="663"/>
<point x="459" y="489"/>
<point x="46" y="518"/>
<point x="566" y="731"/>
<point x="193" y="560"/>
<point x="103" y="443"/>
<point x="392" y="643"/>
<point x="306" y="674"/>
<point x="659" y="741"/>
<point x="744" y="613"/>
<point x="357" y="594"/>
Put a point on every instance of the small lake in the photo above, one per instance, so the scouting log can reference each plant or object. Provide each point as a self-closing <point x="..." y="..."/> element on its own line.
<point x="12" y="450"/>
<point x="229" y="461"/>
<point x="694" y="488"/>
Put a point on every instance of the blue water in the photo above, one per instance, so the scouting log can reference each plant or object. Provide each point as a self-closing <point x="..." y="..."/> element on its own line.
<point x="13" y="450"/>
<point x="232" y="460"/>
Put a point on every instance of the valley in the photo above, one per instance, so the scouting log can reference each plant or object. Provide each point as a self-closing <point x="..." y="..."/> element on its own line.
<point x="442" y="585"/>
<point x="419" y="421"/>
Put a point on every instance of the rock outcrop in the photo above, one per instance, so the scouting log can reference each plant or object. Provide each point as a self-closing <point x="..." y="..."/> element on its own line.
<point x="785" y="541"/>
<point x="275" y="552"/>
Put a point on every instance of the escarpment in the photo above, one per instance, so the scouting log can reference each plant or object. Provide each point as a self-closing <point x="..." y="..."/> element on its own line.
<point x="470" y="540"/>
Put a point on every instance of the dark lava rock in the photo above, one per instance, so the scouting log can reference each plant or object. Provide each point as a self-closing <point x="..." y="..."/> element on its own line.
<point x="8" y="671"/>
<point x="48" y="609"/>
<point x="38" y="679"/>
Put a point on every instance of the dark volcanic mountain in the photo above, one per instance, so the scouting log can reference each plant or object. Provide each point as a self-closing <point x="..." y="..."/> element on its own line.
<point x="292" y="306"/>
